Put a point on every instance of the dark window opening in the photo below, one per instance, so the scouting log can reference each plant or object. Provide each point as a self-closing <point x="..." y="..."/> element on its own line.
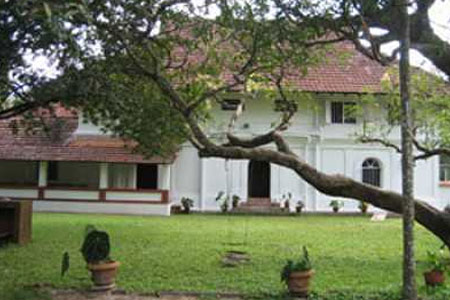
<point x="147" y="176"/>
<point x="371" y="172"/>
<point x="52" y="171"/>
<point x="230" y="104"/>
<point x="343" y="112"/>
<point x="444" y="168"/>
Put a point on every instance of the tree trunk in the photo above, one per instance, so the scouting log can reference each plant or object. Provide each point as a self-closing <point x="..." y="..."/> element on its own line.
<point x="409" y="268"/>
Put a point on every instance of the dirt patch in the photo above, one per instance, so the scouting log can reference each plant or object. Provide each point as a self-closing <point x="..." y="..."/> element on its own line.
<point x="235" y="258"/>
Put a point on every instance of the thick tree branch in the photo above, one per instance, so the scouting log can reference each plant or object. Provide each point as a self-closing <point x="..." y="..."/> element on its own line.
<point x="386" y="143"/>
<point x="339" y="186"/>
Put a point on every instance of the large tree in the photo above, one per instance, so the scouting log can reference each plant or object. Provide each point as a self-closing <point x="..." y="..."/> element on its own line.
<point x="161" y="63"/>
<point x="355" y="19"/>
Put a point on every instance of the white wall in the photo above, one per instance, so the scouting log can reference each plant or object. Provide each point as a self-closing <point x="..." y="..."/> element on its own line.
<point x="102" y="208"/>
<point x="185" y="177"/>
<point x="195" y="178"/>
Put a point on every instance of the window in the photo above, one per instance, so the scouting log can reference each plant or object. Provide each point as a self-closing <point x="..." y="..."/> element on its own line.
<point x="444" y="168"/>
<point x="343" y="112"/>
<point x="371" y="172"/>
<point x="52" y="171"/>
<point x="284" y="106"/>
<point x="230" y="104"/>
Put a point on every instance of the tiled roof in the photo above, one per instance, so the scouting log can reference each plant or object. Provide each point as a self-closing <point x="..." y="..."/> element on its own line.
<point x="351" y="73"/>
<point x="345" y="70"/>
<point x="60" y="144"/>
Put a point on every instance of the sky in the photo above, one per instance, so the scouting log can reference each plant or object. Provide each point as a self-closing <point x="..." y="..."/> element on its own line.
<point x="440" y="21"/>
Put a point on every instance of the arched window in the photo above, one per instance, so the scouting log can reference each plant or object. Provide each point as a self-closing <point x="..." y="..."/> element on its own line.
<point x="371" y="172"/>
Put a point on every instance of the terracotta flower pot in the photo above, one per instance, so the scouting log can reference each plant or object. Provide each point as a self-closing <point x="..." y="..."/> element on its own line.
<point x="434" y="278"/>
<point x="104" y="275"/>
<point x="298" y="283"/>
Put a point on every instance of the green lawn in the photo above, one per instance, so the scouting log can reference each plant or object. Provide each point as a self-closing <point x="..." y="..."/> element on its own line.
<point x="183" y="253"/>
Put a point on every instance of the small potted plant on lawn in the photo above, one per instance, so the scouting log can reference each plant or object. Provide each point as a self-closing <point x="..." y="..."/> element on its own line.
<point x="297" y="275"/>
<point x="336" y="205"/>
<point x="286" y="199"/>
<point x="363" y="206"/>
<point x="187" y="203"/>
<point x="95" y="251"/>
<point x="436" y="268"/>
<point x="223" y="199"/>
<point x="235" y="199"/>
<point x="299" y="206"/>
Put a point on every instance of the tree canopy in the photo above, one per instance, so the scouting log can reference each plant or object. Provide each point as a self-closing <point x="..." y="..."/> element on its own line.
<point x="163" y="64"/>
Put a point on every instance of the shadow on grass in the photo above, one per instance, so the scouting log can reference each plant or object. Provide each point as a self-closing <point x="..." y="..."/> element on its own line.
<point x="26" y="293"/>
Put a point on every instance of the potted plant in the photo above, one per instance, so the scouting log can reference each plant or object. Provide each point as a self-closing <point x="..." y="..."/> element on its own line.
<point x="235" y="199"/>
<point x="436" y="268"/>
<point x="223" y="199"/>
<point x="95" y="251"/>
<point x="363" y="206"/>
<point x="286" y="199"/>
<point x="336" y="205"/>
<point x="299" y="207"/>
<point x="187" y="203"/>
<point x="297" y="275"/>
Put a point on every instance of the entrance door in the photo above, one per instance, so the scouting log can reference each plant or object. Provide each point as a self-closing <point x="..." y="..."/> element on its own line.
<point x="258" y="179"/>
<point x="147" y="176"/>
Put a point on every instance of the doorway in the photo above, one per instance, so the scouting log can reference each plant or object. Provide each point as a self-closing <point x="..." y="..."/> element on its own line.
<point x="258" y="179"/>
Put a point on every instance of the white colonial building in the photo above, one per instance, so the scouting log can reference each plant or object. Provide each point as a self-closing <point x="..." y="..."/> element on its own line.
<point x="79" y="169"/>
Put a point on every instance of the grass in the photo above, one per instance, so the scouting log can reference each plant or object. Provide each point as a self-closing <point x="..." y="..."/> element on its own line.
<point x="183" y="253"/>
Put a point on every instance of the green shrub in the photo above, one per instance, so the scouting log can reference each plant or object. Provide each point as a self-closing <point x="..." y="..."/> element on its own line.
<point x="303" y="264"/>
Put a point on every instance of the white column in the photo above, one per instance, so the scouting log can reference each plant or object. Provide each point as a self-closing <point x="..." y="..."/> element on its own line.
<point x="202" y="185"/>
<point x="43" y="171"/>
<point x="318" y="166"/>
<point x="164" y="177"/>
<point x="103" y="182"/>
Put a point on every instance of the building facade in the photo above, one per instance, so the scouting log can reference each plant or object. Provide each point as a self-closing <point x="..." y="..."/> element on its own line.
<point x="78" y="168"/>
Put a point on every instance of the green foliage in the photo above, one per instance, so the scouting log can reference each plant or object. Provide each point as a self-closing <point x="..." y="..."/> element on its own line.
<point x="336" y="204"/>
<point x="430" y="104"/>
<point x="160" y="255"/>
<point x="125" y="78"/>
<point x="303" y="264"/>
<point x="96" y="246"/>
<point x="224" y="201"/>
<point x="235" y="199"/>
<point x="348" y="295"/>
<point x="363" y="206"/>
<point x="436" y="261"/>
<point x="187" y="203"/>
<point x="26" y="293"/>
<point x="65" y="263"/>
<point x="299" y="206"/>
